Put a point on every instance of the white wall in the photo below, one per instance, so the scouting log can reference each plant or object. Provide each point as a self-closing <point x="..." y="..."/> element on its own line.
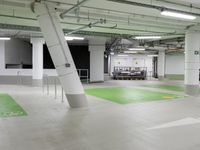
<point x="132" y="61"/>
<point x="175" y="64"/>
<point x="13" y="72"/>
<point x="17" y="51"/>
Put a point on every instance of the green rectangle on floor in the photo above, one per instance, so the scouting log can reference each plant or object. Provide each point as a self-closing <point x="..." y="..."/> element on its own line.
<point x="129" y="95"/>
<point x="9" y="108"/>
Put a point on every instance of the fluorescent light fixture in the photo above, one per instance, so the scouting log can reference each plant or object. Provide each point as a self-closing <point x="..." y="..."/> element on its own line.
<point x="122" y="55"/>
<point x="130" y="52"/>
<point x="112" y="53"/>
<point x="147" y="37"/>
<point x="4" y="38"/>
<point x="177" y="15"/>
<point x="71" y="38"/>
<point x="152" y="55"/>
<point x="136" y="49"/>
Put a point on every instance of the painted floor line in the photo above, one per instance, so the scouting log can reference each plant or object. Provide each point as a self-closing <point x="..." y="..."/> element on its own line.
<point x="177" y="123"/>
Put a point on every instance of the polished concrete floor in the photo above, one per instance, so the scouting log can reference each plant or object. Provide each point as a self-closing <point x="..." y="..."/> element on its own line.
<point x="104" y="125"/>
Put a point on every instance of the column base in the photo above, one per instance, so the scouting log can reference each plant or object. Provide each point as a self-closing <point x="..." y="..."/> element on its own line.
<point x="192" y="90"/>
<point x="161" y="78"/>
<point x="37" y="82"/>
<point x="77" y="100"/>
<point x="97" y="81"/>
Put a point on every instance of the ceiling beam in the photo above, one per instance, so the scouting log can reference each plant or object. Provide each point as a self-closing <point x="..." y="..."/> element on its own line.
<point x="160" y="8"/>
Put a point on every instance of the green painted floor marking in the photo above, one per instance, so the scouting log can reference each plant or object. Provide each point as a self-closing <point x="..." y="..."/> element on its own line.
<point x="9" y="108"/>
<point x="167" y="87"/>
<point x="129" y="95"/>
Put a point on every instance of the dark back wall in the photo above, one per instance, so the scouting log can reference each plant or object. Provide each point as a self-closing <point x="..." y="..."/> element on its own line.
<point x="80" y="54"/>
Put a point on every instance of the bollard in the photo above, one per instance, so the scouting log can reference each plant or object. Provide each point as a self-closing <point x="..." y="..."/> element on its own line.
<point x="55" y="83"/>
<point x="62" y="95"/>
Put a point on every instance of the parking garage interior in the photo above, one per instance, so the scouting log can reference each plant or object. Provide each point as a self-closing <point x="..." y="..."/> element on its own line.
<point x="99" y="74"/>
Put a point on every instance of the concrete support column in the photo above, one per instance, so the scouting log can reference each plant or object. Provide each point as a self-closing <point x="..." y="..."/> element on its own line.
<point x="52" y="31"/>
<point x="37" y="58"/>
<point x="161" y="65"/>
<point x="109" y="65"/>
<point x="192" y="47"/>
<point x="2" y="55"/>
<point x="97" y="48"/>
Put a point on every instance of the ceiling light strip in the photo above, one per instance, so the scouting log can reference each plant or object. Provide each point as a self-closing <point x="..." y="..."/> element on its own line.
<point x="178" y="15"/>
<point x="4" y="38"/>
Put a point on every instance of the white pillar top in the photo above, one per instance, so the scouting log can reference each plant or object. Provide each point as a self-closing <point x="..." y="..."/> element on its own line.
<point x="37" y="40"/>
<point x="97" y="41"/>
<point x="97" y="44"/>
<point x="193" y="29"/>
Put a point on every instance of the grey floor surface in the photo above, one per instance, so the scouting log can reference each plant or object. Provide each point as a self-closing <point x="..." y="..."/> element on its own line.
<point x="104" y="125"/>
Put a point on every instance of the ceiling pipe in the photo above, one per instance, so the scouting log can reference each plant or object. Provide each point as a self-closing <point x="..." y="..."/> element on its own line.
<point x="62" y="15"/>
<point x="32" y="19"/>
<point x="115" y="11"/>
<point x="152" y="6"/>
<point x="90" y="25"/>
<point x="136" y="30"/>
<point x="36" y="30"/>
<point x="134" y="22"/>
<point x="124" y="29"/>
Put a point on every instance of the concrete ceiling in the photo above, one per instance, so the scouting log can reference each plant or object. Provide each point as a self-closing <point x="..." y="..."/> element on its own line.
<point x="122" y="19"/>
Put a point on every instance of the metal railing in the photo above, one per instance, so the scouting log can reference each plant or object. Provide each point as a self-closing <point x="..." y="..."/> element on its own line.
<point x="83" y="74"/>
<point x="19" y="78"/>
<point x="46" y="85"/>
<point x="56" y="91"/>
<point x="45" y="82"/>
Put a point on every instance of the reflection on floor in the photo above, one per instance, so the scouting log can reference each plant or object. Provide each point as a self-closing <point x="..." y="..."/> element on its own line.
<point x="104" y="125"/>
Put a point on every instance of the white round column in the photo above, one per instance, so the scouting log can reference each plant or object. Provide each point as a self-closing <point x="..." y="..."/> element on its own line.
<point x="192" y="47"/>
<point x="161" y="65"/>
<point x="37" y="59"/>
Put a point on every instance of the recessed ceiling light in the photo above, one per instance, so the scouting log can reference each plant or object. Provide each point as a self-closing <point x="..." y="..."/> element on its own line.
<point x="136" y="49"/>
<point x="4" y="38"/>
<point x="112" y="53"/>
<point x="177" y="15"/>
<point x="152" y="55"/>
<point x="70" y="38"/>
<point x="147" y="37"/>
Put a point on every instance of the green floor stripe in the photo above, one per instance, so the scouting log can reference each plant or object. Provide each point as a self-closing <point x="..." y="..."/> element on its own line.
<point x="129" y="95"/>
<point x="167" y="87"/>
<point x="9" y="108"/>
